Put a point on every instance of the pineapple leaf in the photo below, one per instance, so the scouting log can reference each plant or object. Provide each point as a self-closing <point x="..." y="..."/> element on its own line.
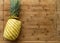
<point x="14" y="10"/>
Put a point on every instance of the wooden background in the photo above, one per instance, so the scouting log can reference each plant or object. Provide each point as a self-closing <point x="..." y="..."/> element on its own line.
<point x="40" y="21"/>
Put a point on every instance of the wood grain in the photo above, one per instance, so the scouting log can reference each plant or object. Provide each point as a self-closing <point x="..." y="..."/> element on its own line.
<point x="40" y="21"/>
<point x="1" y="5"/>
<point x="6" y="5"/>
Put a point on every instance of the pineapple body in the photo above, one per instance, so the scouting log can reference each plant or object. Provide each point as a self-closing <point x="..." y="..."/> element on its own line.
<point x="12" y="29"/>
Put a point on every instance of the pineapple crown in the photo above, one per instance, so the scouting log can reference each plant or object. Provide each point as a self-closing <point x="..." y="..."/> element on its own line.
<point x="14" y="9"/>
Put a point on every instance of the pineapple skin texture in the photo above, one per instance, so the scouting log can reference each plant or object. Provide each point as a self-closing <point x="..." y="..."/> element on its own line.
<point x="12" y="29"/>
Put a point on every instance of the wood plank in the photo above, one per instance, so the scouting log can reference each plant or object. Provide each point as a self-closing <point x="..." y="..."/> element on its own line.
<point x="6" y="15"/>
<point x="58" y="16"/>
<point x="6" y="5"/>
<point x="58" y="4"/>
<point x="1" y="36"/>
<point x="1" y="5"/>
<point x="53" y="42"/>
<point x="22" y="42"/>
<point x="1" y="21"/>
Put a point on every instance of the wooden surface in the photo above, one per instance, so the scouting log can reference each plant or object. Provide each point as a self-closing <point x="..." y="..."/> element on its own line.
<point x="40" y="21"/>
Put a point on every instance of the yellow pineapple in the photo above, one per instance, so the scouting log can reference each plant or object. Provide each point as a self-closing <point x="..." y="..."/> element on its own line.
<point x="12" y="28"/>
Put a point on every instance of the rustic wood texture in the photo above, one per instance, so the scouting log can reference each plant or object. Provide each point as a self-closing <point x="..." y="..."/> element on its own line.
<point x="1" y="5"/>
<point x="40" y="21"/>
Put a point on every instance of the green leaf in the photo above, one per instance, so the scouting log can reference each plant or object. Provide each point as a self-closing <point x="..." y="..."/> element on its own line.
<point x="14" y="10"/>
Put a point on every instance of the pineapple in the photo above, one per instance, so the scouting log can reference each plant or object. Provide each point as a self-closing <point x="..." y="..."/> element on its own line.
<point x="12" y="28"/>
